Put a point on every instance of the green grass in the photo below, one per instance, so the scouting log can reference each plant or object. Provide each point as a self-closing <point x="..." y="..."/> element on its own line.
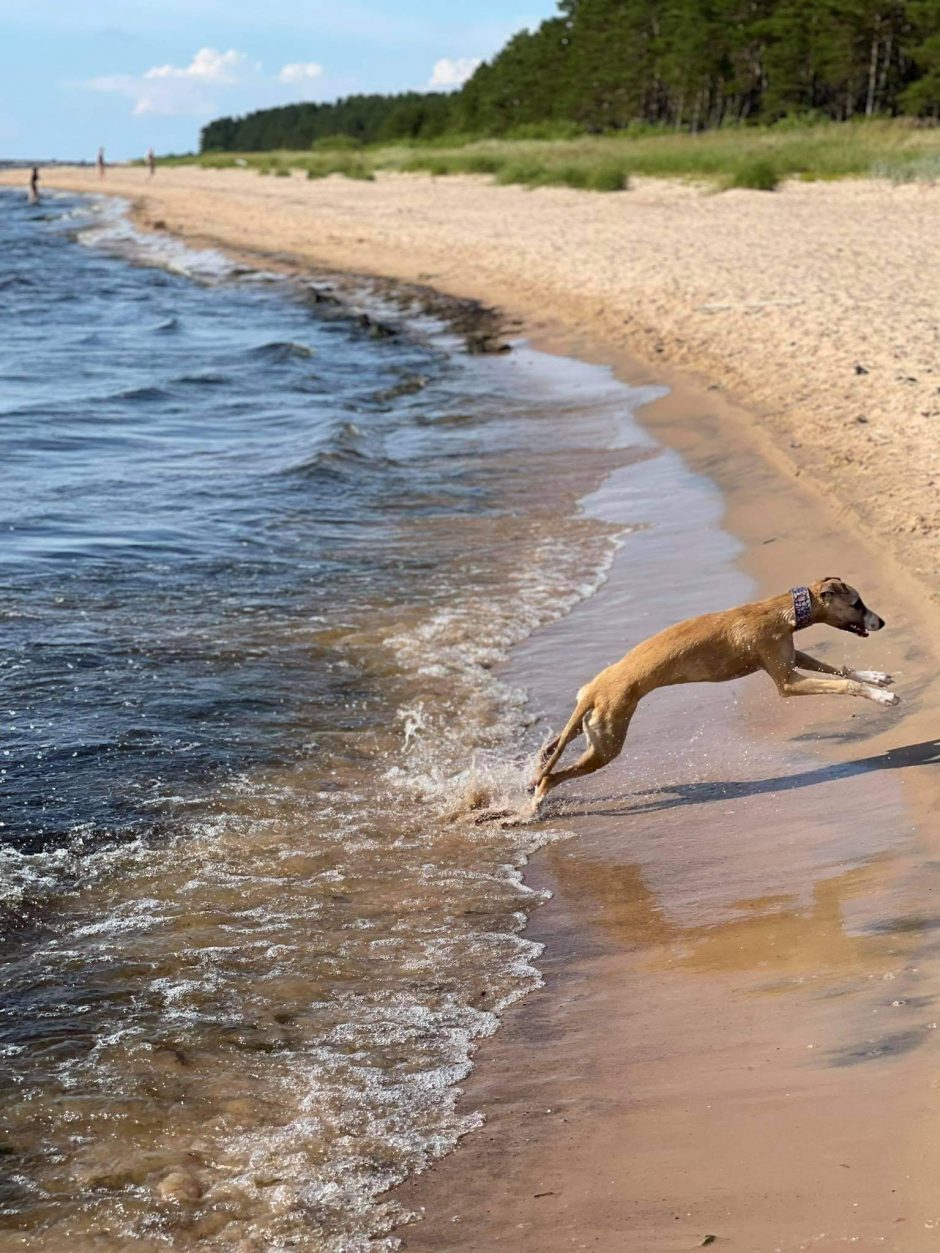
<point x="757" y="157"/>
<point x="282" y="164"/>
<point x="608" y="176"/>
<point x="758" y="174"/>
<point x="336" y="143"/>
<point x="918" y="169"/>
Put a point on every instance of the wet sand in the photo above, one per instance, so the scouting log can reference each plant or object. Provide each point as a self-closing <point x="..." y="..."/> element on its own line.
<point x="815" y="306"/>
<point x="737" y="1033"/>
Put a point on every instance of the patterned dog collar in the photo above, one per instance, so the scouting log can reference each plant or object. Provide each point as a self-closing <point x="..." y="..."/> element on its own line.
<point x="802" y="606"/>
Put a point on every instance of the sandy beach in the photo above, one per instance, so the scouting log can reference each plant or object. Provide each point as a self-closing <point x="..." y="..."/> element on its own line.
<point x="736" y="1040"/>
<point x="736" y="1036"/>
<point x="815" y="307"/>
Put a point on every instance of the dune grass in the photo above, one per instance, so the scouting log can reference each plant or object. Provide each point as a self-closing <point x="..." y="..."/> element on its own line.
<point x="759" y="157"/>
<point x="758" y="174"/>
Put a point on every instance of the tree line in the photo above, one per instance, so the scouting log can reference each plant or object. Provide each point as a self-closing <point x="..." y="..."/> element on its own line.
<point x="603" y="65"/>
<point x="362" y="119"/>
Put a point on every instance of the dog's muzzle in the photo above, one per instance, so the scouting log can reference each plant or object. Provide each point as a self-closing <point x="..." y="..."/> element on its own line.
<point x="870" y="622"/>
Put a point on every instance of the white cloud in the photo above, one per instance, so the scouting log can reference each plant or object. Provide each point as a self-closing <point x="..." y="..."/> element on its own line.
<point x="452" y="72"/>
<point x="300" y="72"/>
<point x="181" y="91"/>
<point x="207" y="66"/>
<point x="212" y="82"/>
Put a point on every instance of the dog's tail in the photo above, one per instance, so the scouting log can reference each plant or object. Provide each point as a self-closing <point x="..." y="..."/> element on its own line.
<point x="550" y="754"/>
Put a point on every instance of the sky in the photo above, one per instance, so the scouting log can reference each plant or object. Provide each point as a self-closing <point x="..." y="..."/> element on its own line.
<point x="131" y="74"/>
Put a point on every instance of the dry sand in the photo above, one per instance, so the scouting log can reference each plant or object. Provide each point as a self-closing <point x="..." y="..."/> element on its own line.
<point x="818" y="306"/>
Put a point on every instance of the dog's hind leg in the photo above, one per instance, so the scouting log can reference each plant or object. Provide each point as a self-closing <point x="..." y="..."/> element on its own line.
<point x="545" y="752"/>
<point x="605" y="740"/>
<point x="551" y="752"/>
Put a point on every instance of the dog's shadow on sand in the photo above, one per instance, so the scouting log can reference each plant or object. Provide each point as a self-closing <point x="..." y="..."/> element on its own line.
<point x="674" y="795"/>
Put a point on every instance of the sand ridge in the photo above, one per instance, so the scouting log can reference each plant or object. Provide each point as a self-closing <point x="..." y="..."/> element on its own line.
<point x="816" y="306"/>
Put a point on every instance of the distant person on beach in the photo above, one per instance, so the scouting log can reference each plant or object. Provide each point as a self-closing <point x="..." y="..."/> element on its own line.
<point x="151" y="162"/>
<point x="33" y="195"/>
<point x="101" y="166"/>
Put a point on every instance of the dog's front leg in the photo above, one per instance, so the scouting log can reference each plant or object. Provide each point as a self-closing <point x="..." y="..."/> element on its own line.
<point x="795" y="684"/>
<point x="875" y="677"/>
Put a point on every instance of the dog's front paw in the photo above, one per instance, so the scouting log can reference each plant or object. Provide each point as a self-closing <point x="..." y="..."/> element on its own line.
<point x="882" y="697"/>
<point x="875" y="677"/>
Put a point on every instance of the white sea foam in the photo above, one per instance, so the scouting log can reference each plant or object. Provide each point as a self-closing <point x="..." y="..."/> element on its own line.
<point x="108" y="227"/>
<point x="321" y="949"/>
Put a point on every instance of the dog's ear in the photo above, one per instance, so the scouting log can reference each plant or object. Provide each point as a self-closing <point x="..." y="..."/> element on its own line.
<point x="831" y="587"/>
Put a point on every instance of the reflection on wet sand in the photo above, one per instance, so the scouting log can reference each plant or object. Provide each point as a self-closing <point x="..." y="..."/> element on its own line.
<point x="773" y="936"/>
<point x="847" y="940"/>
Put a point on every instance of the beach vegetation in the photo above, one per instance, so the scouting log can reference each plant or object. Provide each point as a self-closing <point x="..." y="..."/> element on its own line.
<point x="805" y="146"/>
<point x="573" y="176"/>
<point x="209" y="161"/>
<point x="545" y="130"/>
<point x="924" y="169"/>
<point x="758" y="157"/>
<point x="480" y="163"/>
<point x="336" y="143"/>
<point x="357" y="169"/>
<point x="530" y="173"/>
<point x="607" y="176"/>
<point x="759" y="174"/>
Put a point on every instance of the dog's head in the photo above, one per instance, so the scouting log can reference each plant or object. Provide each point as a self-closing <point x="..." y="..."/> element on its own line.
<point x="840" y="606"/>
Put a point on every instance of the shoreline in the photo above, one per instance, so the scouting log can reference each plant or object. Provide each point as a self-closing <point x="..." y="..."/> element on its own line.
<point x="621" y="1108"/>
<point x="713" y="439"/>
<point x="829" y="348"/>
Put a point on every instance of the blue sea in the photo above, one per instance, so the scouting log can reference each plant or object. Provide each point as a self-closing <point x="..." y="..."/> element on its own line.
<point x="267" y="544"/>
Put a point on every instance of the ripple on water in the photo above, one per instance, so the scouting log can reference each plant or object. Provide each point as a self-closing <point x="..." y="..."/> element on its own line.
<point x="252" y="931"/>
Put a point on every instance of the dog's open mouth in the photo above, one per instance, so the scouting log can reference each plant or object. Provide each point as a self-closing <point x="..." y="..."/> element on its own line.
<point x="855" y="629"/>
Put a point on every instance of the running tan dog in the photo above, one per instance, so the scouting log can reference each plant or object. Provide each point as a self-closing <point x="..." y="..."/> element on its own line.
<point x="713" y="649"/>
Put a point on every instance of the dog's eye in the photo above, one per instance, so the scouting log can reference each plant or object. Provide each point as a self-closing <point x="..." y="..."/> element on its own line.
<point x="857" y="603"/>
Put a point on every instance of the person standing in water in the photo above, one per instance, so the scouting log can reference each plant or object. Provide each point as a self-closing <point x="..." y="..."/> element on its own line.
<point x="33" y="196"/>
<point x="101" y="166"/>
<point x="151" y="162"/>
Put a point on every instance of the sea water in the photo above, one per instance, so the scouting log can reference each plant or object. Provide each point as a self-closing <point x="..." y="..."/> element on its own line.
<point x="262" y="558"/>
